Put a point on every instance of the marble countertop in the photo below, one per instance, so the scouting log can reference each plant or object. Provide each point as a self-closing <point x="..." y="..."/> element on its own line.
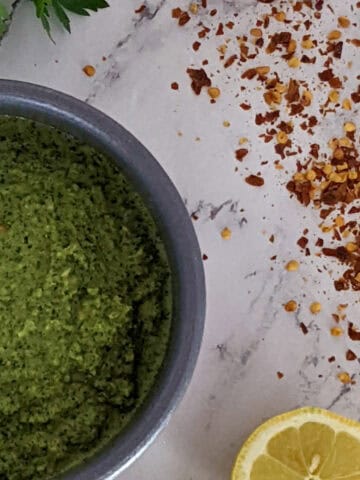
<point x="249" y="338"/>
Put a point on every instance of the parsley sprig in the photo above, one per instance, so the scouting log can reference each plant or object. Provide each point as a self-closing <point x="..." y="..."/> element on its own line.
<point x="59" y="8"/>
<point x="45" y="9"/>
<point x="3" y="19"/>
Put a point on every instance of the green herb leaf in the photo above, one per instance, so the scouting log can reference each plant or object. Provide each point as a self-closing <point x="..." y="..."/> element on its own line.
<point x="3" y="19"/>
<point x="60" y="12"/>
<point x="80" y="7"/>
<point x="59" y="7"/>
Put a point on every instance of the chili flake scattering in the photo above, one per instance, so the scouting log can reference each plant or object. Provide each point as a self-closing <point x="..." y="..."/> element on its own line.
<point x="301" y="74"/>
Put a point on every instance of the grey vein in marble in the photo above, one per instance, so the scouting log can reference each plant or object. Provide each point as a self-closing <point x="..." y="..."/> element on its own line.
<point x="208" y="210"/>
<point x="112" y="74"/>
<point x="344" y="391"/>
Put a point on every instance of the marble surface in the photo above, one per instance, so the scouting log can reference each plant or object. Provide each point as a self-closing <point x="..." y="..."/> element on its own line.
<point x="248" y="336"/>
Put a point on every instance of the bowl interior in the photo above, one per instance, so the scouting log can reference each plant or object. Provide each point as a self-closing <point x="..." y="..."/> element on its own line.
<point x="159" y="194"/>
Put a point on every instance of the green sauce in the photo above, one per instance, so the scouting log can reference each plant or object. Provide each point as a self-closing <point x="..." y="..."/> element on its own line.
<point x="84" y="301"/>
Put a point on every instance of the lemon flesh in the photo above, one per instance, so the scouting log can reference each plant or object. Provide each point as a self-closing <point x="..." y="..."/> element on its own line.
<point x="306" y="444"/>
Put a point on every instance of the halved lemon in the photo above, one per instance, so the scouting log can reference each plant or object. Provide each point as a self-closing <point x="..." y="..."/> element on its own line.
<point x="306" y="444"/>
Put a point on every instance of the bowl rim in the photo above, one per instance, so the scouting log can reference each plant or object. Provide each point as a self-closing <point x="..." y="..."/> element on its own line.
<point x="160" y="195"/>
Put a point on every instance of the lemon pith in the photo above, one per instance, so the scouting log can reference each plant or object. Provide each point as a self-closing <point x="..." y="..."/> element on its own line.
<point x="305" y="444"/>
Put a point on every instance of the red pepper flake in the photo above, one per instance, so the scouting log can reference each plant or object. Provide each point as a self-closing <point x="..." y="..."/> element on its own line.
<point x="334" y="193"/>
<point x="199" y="79"/>
<point x="356" y="42"/>
<point x="230" y="61"/>
<point x="302" y="242"/>
<point x="245" y="106"/>
<point x="241" y="153"/>
<point x="213" y="12"/>
<point x="355" y="96"/>
<point x="319" y="242"/>
<point x="313" y="121"/>
<point x="278" y="39"/>
<point x="196" y="46"/>
<point x="255" y="180"/>
<point x="304" y="328"/>
<point x="338" y="47"/>
<point x="269" y="117"/>
<point x="280" y="375"/>
<point x="203" y="32"/>
<point x="354" y="210"/>
<point x="249" y="74"/>
<point x="296" y="108"/>
<point x="301" y="190"/>
<point x="176" y="12"/>
<point x="350" y="356"/>
<point x="353" y="332"/>
<point x="331" y="359"/>
<point x="204" y="3"/>
<point x="293" y="94"/>
<point x="340" y="253"/>
<point x="341" y="285"/>
<point x="280" y="148"/>
<point x="184" y="19"/>
<point x="175" y="86"/>
<point x="220" y="29"/>
<point x="141" y="8"/>
<point x="335" y="82"/>
<point x="230" y="25"/>
<point x="314" y="150"/>
<point x="204" y="257"/>
<point x="306" y="59"/>
<point x="326" y="75"/>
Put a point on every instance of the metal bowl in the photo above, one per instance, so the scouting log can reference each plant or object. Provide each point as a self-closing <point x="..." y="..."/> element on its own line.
<point x="161" y="197"/>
